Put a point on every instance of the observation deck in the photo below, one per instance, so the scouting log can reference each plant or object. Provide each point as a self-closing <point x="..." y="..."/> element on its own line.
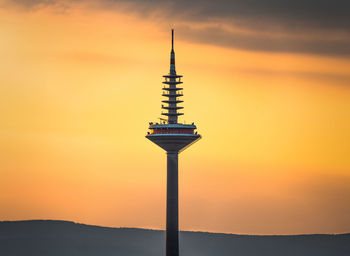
<point x="173" y="137"/>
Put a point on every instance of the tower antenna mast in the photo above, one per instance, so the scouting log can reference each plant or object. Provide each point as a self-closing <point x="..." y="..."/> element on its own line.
<point x="172" y="39"/>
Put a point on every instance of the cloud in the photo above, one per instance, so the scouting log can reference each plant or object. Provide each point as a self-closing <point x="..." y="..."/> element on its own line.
<point x="285" y="13"/>
<point x="312" y="26"/>
<point x="260" y="42"/>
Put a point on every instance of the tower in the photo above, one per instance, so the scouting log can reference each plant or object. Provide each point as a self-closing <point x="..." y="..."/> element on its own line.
<point x="173" y="137"/>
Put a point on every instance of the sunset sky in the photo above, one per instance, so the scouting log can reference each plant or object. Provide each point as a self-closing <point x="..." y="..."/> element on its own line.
<point x="266" y="82"/>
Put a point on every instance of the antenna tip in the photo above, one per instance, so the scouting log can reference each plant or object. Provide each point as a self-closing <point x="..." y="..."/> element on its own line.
<point x="172" y="39"/>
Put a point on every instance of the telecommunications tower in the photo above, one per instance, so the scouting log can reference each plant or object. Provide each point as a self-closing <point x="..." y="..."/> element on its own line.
<point x="173" y="137"/>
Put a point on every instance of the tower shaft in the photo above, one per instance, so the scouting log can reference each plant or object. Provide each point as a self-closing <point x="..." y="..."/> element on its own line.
<point x="172" y="205"/>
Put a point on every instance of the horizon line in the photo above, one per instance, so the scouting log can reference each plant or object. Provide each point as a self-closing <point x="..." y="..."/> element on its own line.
<point x="155" y="229"/>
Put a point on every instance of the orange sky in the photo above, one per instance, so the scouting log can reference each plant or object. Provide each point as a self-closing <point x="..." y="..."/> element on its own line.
<point x="79" y="86"/>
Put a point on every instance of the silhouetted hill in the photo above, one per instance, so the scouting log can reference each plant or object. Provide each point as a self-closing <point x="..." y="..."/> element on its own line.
<point x="63" y="238"/>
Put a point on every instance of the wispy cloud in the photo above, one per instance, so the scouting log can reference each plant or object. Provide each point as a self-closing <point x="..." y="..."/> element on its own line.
<point x="327" y="19"/>
<point x="267" y="42"/>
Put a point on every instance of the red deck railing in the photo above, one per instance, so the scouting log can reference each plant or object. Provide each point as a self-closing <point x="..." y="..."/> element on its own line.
<point x="172" y="131"/>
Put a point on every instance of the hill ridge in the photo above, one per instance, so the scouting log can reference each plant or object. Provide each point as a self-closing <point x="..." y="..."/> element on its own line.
<point x="68" y="238"/>
<point x="151" y="229"/>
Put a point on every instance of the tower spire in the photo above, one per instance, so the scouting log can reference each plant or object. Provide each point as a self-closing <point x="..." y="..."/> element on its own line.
<point x="172" y="55"/>
<point x="172" y="40"/>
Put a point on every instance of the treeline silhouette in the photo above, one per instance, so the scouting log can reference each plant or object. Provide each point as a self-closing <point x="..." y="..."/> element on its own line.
<point x="64" y="238"/>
